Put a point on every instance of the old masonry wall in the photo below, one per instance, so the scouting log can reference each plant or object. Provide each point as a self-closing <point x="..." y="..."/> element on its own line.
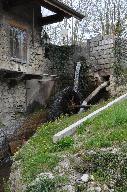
<point x="99" y="61"/>
<point x="107" y="58"/>
<point x="13" y="101"/>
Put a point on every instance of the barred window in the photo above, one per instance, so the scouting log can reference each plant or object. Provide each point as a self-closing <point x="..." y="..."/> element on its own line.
<point x="18" y="44"/>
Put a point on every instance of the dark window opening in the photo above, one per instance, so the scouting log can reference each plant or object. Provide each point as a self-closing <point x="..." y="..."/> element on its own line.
<point x="106" y="78"/>
<point x="18" y="44"/>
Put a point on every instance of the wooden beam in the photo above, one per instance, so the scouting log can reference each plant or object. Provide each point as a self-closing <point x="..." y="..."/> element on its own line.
<point x="51" y="19"/>
<point x="49" y="7"/>
<point x="58" y="6"/>
<point x="94" y="93"/>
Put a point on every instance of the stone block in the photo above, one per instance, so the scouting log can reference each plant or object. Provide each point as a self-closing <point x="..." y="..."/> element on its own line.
<point x="102" y="61"/>
<point x="112" y="60"/>
<point x="108" y="51"/>
<point x="95" y="49"/>
<point x="91" y="49"/>
<point x="100" y="43"/>
<point x="107" y="42"/>
<point x="97" y="38"/>
<point x="107" y="37"/>
<point x="108" y="46"/>
<point x="94" y="44"/>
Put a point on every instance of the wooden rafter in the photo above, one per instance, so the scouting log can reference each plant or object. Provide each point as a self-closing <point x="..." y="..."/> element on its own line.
<point x="51" y="19"/>
<point x="59" y="6"/>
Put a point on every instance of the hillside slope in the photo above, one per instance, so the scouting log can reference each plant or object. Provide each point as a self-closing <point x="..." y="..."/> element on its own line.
<point x="94" y="159"/>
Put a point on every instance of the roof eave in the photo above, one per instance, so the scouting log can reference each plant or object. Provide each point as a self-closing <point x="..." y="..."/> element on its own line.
<point x="67" y="11"/>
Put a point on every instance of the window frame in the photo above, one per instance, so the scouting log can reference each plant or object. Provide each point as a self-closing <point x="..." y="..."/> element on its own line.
<point x="21" y="47"/>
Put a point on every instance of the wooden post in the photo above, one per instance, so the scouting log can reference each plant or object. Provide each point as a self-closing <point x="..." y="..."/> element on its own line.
<point x="93" y="94"/>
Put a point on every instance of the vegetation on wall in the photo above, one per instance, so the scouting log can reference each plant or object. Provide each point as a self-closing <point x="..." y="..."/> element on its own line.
<point x="61" y="64"/>
<point x="120" y="66"/>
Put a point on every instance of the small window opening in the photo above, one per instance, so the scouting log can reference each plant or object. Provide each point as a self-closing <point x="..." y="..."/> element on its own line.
<point x="18" y="44"/>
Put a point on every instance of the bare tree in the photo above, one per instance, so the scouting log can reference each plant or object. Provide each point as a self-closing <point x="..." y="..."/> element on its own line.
<point x="101" y="17"/>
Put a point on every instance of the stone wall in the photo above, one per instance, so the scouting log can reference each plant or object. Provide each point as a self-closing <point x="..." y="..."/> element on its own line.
<point x="62" y="61"/>
<point x="108" y="57"/>
<point x="13" y="93"/>
<point x="12" y="105"/>
<point x="14" y="17"/>
<point x="102" y="60"/>
<point x="39" y="92"/>
<point x="101" y="53"/>
<point x="99" y="60"/>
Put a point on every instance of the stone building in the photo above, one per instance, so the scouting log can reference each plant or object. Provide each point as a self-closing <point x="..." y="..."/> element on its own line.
<point x="22" y="59"/>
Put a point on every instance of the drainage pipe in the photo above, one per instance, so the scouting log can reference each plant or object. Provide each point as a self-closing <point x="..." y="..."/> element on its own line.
<point x="72" y="128"/>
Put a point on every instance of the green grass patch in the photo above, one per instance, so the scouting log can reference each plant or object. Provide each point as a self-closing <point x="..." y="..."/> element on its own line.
<point x="107" y="129"/>
<point x="41" y="155"/>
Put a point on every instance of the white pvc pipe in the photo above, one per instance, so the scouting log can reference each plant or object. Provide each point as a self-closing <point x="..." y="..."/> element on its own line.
<point x="72" y="128"/>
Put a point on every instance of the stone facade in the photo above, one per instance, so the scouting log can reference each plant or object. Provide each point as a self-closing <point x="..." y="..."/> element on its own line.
<point x="35" y="53"/>
<point x="101" y="53"/>
<point x="13" y="92"/>
<point x="107" y="55"/>
<point x="12" y="102"/>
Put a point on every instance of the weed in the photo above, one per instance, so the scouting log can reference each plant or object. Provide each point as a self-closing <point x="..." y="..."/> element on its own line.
<point x="64" y="144"/>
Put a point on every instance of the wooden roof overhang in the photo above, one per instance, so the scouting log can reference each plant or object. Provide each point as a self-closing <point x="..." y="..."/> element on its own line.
<point x="60" y="9"/>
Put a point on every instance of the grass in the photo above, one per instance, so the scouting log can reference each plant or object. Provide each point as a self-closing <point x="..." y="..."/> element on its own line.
<point x="41" y="155"/>
<point x="110" y="128"/>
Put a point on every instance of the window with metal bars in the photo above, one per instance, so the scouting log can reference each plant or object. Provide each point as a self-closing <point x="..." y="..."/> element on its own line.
<point x="18" y="45"/>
